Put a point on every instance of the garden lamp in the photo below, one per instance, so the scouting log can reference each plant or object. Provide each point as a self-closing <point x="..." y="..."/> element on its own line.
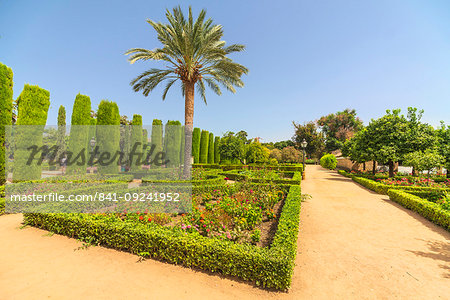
<point x="304" y="144"/>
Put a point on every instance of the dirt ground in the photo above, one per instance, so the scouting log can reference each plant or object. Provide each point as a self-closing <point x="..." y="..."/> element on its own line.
<point x="353" y="244"/>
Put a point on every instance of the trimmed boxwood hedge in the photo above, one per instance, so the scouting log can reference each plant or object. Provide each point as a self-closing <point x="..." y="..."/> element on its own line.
<point x="384" y="188"/>
<point x="211" y="148"/>
<point x="233" y="175"/>
<point x="268" y="267"/>
<point x="423" y="207"/>
<point x="280" y="167"/>
<point x="216" y="150"/>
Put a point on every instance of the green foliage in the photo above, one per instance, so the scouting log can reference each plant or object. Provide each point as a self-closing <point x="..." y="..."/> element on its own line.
<point x="211" y="148"/>
<point x="443" y="136"/>
<point x="424" y="161"/>
<point x="231" y="148"/>
<point x="172" y="141"/>
<point x="309" y="132"/>
<point x="291" y="155"/>
<point x="136" y="141"/>
<point x="6" y="106"/>
<point x="283" y="144"/>
<point x="33" y="104"/>
<point x="216" y="150"/>
<point x="108" y="137"/>
<point x="183" y="142"/>
<point x="61" y="138"/>
<point x="196" y="52"/>
<point x="79" y="133"/>
<point x="204" y="144"/>
<point x="339" y="127"/>
<point x="328" y="161"/>
<point x="196" y="145"/>
<point x="429" y="210"/>
<point x="256" y="236"/>
<point x="257" y="153"/>
<point x="276" y="154"/>
<point x="157" y="137"/>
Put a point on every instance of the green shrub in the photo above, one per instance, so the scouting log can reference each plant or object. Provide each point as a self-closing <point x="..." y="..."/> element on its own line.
<point x="384" y="188"/>
<point x="426" y="209"/>
<point x="257" y="153"/>
<point x="6" y="95"/>
<point x="108" y="137"/>
<point x="211" y="148"/>
<point x="204" y="143"/>
<point x="256" y="235"/>
<point x="196" y="145"/>
<point x="328" y="161"/>
<point x="79" y="133"/>
<point x="33" y="104"/>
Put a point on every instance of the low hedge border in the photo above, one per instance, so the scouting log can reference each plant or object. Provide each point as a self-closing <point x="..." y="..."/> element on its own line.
<point x="214" y="179"/>
<point x="295" y="180"/>
<point x="384" y="188"/>
<point x="425" y="208"/>
<point x="280" y="167"/>
<point x="2" y="206"/>
<point x="267" y="267"/>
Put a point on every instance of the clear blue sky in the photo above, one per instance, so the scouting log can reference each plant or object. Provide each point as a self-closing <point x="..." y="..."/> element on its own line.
<point x="306" y="58"/>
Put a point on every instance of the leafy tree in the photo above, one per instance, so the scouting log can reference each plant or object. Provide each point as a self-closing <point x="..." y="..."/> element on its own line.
<point x="314" y="138"/>
<point x="360" y="149"/>
<point x="275" y="154"/>
<point x="108" y="137"/>
<point x="157" y="140"/>
<point x="257" y="153"/>
<point x="231" y="148"/>
<point x="136" y="140"/>
<point x="283" y="144"/>
<point x="204" y="145"/>
<point x="443" y="135"/>
<point x="339" y="127"/>
<point x="196" y="145"/>
<point x="389" y="138"/>
<point x="195" y="55"/>
<point x="424" y="160"/>
<point x="291" y="155"/>
<point x="243" y="135"/>
<point x="216" y="150"/>
<point x="211" y="148"/>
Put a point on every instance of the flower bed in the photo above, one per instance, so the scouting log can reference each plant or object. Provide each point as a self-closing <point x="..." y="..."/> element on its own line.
<point x="269" y="267"/>
<point x="437" y="213"/>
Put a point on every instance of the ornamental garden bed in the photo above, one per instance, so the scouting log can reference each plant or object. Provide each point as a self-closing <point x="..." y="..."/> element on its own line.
<point x="248" y="230"/>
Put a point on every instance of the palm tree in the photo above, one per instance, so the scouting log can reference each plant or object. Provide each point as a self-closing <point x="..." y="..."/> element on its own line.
<point x="195" y="55"/>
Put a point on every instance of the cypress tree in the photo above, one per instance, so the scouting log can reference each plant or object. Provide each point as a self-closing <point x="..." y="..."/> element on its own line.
<point x="182" y="137"/>
<point x="157" y="138"/>
<point x="172" y="141"/>
<point x="108" y="135"/>
<point x="6" y="104"/>
<point x="137" y="137"/>
<point x="61" y="138"/>
<point x="204" y="143"/>
<point x="211" y="149"/>
<point x="216" y="150"/>
<point x="79" y="134"/>
<point x="196" y="145"/>
<point x="33" y="104"/>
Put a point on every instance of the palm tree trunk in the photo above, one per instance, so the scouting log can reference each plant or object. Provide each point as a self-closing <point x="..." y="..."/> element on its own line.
<point x="188" y="126"/>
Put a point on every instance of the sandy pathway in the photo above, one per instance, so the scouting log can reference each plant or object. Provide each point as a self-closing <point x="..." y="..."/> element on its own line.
<point x="353" y="244"/>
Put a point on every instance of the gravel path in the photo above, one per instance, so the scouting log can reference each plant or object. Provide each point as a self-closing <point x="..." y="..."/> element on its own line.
<point x="352" y="244"/>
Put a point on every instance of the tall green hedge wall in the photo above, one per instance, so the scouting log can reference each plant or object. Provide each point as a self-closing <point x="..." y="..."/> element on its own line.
<point x="204" y="143"/>
<point x="136" y="141"/>
<point x="79" y="133"/>
<point x="157" y="137"/>
<point x="216" y="150"/>
<point x="108" y="137"/>
<point x="33" y="104"/>
<point x="196" y="145"/>
<point x="211" y="148"/>
<point x="6" y="95"/>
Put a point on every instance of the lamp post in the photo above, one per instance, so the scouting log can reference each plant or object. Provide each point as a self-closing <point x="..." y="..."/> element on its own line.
<point x="92" y="144"/>
<point x="304" y="144"/>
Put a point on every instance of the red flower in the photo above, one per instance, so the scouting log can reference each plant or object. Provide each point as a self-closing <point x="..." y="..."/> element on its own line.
<point x="149" y="219"/>
<point x="141" y="218"/>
